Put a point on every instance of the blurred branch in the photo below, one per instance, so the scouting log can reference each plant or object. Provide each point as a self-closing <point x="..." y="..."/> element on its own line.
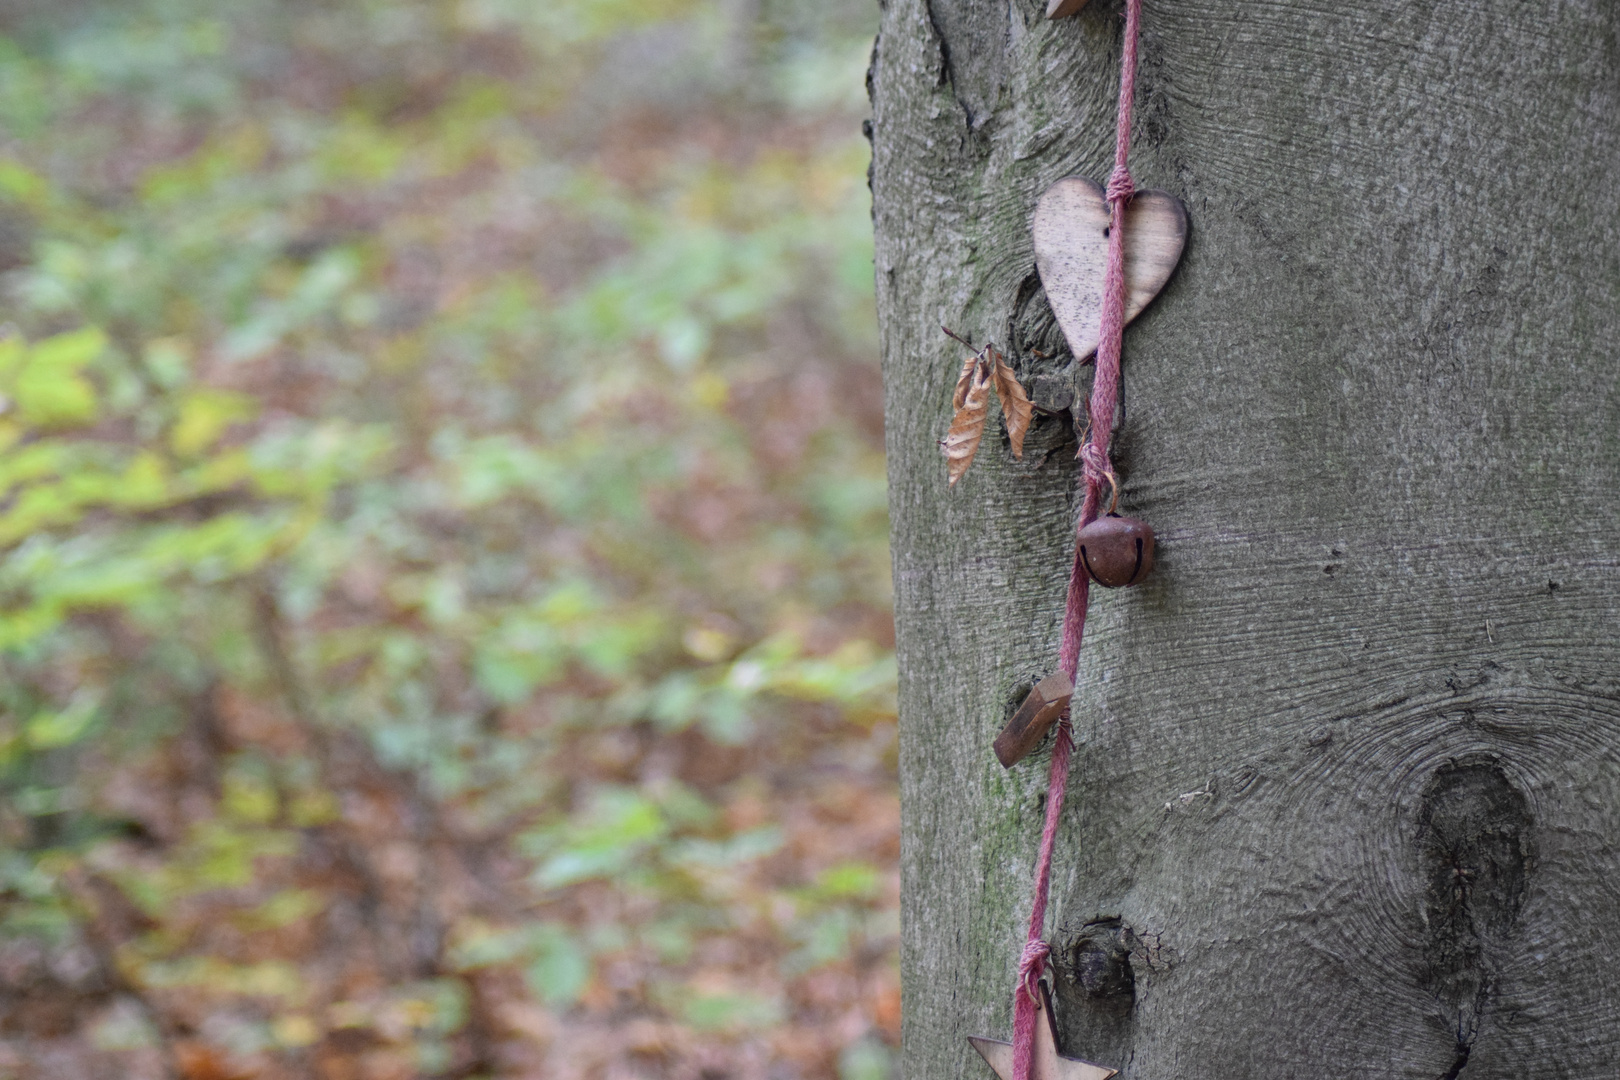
<point x="113" y="922"/>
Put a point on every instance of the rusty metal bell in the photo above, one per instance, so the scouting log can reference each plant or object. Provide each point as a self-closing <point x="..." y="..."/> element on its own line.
<point x="1117" y="550"/>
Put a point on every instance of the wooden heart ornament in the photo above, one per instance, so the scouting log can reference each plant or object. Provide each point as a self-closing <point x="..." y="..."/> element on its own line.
<point x="1071" y="253"/>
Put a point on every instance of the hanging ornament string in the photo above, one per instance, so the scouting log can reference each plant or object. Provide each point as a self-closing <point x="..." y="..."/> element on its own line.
<point x="1097" y="473"/>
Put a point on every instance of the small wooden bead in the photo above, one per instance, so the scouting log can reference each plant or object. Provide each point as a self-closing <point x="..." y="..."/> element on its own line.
<point x="1117" y="550"/>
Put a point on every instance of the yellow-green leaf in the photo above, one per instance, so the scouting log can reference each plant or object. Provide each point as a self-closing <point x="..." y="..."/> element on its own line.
<point x="204" y="416"/>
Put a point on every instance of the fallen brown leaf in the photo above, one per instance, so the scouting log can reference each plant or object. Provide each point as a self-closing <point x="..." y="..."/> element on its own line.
<point x="1015" y="404"/>
<point x="199" y="1061"/>
<point x="967" y="426"/>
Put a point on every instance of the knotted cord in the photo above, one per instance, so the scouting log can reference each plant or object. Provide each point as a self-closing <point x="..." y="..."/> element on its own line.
<point x="1096" y="473"/>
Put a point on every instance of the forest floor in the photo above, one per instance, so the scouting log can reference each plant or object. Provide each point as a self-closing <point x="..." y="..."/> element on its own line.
<point x="444" y="601"/>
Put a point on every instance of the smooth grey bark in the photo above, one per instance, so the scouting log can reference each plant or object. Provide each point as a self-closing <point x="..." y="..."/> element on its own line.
<point x="1346" y="801"/>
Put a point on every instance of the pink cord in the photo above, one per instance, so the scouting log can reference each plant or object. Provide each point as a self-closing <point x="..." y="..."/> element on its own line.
<point x="1096" y="471"/>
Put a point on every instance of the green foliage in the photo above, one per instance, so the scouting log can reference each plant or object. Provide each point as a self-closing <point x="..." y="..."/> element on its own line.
<point x="867" y="1059"/>
<point x="454" y="450"/>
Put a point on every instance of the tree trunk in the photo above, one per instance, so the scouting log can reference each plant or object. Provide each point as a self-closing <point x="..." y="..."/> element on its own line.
<point x="1346" y="796"/>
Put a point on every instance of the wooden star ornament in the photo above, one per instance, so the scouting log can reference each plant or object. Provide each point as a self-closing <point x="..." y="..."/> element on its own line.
<point x="1048" y="1064"/>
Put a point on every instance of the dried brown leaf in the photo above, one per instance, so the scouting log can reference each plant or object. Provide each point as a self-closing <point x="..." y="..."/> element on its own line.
<point x="964" y="382"/>
<point x="1015" y="404"/>
<point x="967" y="426"/>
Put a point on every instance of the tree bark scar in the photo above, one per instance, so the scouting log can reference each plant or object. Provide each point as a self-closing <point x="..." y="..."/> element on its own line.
<point x="1096" y="988"/>
<point x="1033" y="329"/>
<point x="947" y="70"/>
<point x="1474" y="844"/>
<point x="972" y="60"/>
<point x="1100" y="963"/>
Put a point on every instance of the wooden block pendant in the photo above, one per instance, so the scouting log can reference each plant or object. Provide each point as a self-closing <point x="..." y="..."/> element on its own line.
<point x="1034" y="717"/>
<point x="1062" y="9"/>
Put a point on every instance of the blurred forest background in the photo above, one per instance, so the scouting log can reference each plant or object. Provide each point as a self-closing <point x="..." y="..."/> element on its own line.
<point x="443" y="584"/>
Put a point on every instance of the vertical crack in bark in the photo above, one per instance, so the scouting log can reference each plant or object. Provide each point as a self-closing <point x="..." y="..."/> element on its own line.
<point x="970" y="62"/>
<point x="1473" y="837"/>
<point x="1467" y="1031"/>
<point x="947" y="71"/>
